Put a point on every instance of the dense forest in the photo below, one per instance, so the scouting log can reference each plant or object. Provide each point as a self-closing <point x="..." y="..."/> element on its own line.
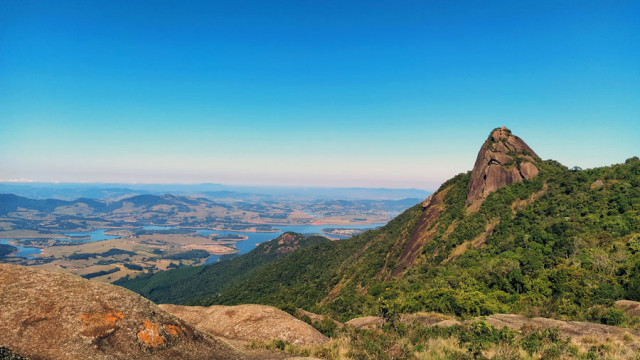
<point x="7" y="249"/>
<point x="186" y="285"/>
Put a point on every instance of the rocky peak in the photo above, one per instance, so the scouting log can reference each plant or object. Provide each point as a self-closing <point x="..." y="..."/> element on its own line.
<point x="504" y="159"/>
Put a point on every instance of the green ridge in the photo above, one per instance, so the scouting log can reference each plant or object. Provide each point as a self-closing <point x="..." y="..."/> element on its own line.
<point x="569" y="254"/>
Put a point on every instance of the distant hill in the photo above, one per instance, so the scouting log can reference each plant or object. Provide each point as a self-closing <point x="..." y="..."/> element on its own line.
<point x="72" y="191"/>
<point x="516" y="234"/>
<point x="67" y="191"/>
<point x="12" y="202"/>
<point x="180" y="286"/>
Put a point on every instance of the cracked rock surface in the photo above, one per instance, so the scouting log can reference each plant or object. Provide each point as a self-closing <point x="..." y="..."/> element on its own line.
<point x="504" y="159"/>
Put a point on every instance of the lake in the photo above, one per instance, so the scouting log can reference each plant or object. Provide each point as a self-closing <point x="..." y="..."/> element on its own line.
<point x="255" y="238"/>
<point x="93" y="235"/>
<point x="243" y="246"/>
<point x="24" y="252"/>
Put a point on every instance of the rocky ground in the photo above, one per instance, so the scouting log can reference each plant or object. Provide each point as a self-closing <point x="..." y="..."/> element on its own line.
<point x="60" y="316"/>
<point x="49" y="315"/>
<point x="248" y="323"/>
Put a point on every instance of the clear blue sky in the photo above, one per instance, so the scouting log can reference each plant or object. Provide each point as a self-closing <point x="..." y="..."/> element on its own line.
<point x="335" y="93"/>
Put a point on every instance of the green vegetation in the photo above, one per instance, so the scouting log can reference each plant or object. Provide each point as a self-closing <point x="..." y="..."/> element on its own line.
<point x="133" y="266"/>
<point x="475" y="340"/>
<point x="100" y="273"/>
<point x="306" y="276"/>
<point x="569" y="254"/>
<point x="7" y="354"/>
<point x="186" y="285"/>
<point x="7" y="249"/>
<point x="108" y="253"/>
<point x="194" y="254"/>
<point x="564" y="245"/>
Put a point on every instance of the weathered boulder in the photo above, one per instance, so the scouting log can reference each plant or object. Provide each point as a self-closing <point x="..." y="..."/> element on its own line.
<point x="427" y="201"/>
<point x="317" y="318"/>
<point x="366" y="322"/>
<point x="575" y="329"/>
<point x="528" y="170"/>
<point x="248" y="322"/>
<point x="46" y="315"/>
<point x="628" y="306"/>
<point x="596" y="184"/>
<point x="424" y="318"/>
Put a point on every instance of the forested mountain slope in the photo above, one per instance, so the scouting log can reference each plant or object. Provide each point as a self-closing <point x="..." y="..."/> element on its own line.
<point x="516" y="235"/>
<point x="182" y="285"/>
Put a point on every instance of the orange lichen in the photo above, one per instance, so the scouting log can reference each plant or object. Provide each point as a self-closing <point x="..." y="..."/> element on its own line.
<point x="99" y="325"/>
<point x="150" y="335"/>
<point x="174" y="330"/>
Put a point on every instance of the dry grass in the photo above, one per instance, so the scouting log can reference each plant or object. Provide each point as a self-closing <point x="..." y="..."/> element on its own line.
<point x="349" y="344"/>
<point x="440" y="348"/>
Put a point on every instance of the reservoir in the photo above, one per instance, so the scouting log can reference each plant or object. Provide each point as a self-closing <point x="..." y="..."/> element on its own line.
<point x="255" y="238"/>
<point x="25" y="252"/>
<point x="243" y="246"/>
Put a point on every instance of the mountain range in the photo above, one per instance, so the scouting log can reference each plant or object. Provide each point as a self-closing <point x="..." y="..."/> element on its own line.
<point x="98" y="191"/>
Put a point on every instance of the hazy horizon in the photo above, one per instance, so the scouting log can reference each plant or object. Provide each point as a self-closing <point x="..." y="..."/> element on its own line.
<point x="142" y="184"/>
<point x="322" y="94"/>
<point x="106" y="191"/>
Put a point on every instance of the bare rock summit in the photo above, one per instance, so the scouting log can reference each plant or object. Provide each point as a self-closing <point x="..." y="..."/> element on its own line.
<point x="504" y="159"/>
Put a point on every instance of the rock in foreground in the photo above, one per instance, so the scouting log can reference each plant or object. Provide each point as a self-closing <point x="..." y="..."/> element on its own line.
<point x="48" y="315"/>
<point x="248" y="322"/>
<point x="366" y="322"/>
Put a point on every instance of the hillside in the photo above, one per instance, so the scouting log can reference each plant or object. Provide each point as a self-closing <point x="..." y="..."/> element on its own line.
<point x="529" y="237"/>
<point x="180" y="286"/>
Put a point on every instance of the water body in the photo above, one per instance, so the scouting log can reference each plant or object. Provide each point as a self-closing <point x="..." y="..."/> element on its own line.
<point x="157" y="227"/>
<point x="24" y="252"/>
<point x="255" y="238"/>
<point x="243" y="246"/>
<point x="94" y="235"/>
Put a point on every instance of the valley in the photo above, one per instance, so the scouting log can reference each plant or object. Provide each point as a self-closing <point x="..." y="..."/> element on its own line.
<point x="108" y="240"/>
<point x="519" y="258"/>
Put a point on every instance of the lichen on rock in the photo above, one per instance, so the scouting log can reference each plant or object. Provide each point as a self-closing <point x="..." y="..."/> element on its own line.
<point x="47" y="315"/>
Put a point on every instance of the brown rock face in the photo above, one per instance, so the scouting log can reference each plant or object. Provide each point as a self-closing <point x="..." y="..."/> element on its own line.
<point x="628" y="306"/>
<point x="46" y="315"/>
<point x="422" y="233"/>
<point x="283" y="244"/>
<point x="504" y="159"/>
<point x="248" y="322"/>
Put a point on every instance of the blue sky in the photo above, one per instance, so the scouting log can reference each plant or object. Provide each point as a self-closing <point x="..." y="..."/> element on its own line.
<point x="331" y="93"/>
